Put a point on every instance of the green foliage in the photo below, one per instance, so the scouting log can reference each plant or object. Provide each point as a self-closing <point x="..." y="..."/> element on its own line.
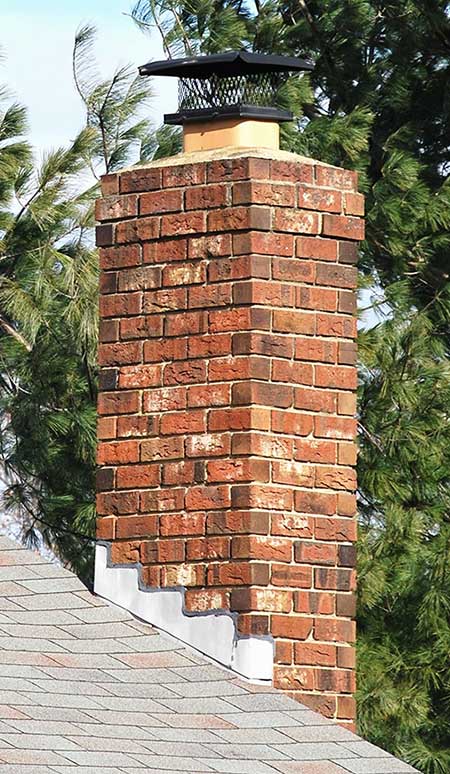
<point x="378" y="101"/>
<point x="48" y="304"/>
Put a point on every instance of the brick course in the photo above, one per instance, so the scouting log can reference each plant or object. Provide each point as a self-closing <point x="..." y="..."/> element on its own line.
<point x="226" y="411"/>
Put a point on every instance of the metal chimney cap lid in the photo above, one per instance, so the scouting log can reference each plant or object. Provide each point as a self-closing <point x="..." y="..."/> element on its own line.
<point x="226" y="64"/>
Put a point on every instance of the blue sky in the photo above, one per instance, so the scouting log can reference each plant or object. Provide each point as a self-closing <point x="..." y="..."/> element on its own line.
<point x="36" y="40"/>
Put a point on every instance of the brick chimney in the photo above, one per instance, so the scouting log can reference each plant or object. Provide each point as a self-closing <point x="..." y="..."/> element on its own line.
<point x="227" y="411"/>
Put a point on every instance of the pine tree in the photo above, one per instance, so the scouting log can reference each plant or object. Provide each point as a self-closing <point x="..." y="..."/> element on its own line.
<point x="48" y="303"/>
<point x="378" y="101"/>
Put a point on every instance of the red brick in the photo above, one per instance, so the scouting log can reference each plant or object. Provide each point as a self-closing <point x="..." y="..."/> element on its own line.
<point x="335" y="177"/>
<point x="291" y="422"/>
<point x="339" y="377"/>
<point x="118" y="452"/>
<point x="292" y="525"/>
<point x="265" y="600"/>
<point x="327" y="578"/>
<point x="161" y="449"/>
<point x="208" y="548"/>
<point x="123" y="353"/>
<point x="315" y="350"/>
<point x="106" y="427"/>
<point x="335" y="529"/>
<point x="241" y="522"/>
<point x="309" y="552"/>
<point x="109" y="184"/>
<point x="183" y="524"/>
<point x="116" y="207"/>
<point x="207" y="197"/>
<point x="314" y="654"/>
<point x="264" y="293"/>
<point x="183" y="422"/>
<point x="235" y="218"/>
<point x="106" y="528"/>
<point x="184" y="373"/>
<point x="237" y="574"/>
<point x="291" y="576"/>
<point x="138" y="230"/>
<point x="213" y="295"/>
<point x="315" y="400"/>
<point x="207" y="445"/>
<point x="261" y="547"/>
<point x="209" y="395"/>
<point x="165" y="399"/>
<point x="294" y="270"/>
<point x="249" y="623"/>
<point x="316" y="298"/>
<point x="347" y="502"/>
<point x="210" y="246"/>
<point x="120" y="304"/>
<point x="207" y="497"/>
<point x="316" y="247"/>
<point x="295" y="373"/>
<point x="234" y="368"/>
<point x="183" y="223"/>
<point x="139" y="376"/>
<point x="118" y="402"/>
<point x="125" y="552"/>
<point x="354" y="204"/>
<point x="162" y="500"/>
<point x="293" y="473"/>
<point x="239" y="419"/>
<point x="334" y="630"/>
<point x="178" y="473"/>
<point x="275" y="498"/>
<point x="165" y="349"/>
<point x="183" y="175"/>
<point x="296" y="221"/>
<point x="315" y="451"/>
<point x="262" y="393"/>
<point x="321" y="199"/>
<point x="143" y="327"/>
<point x="293" y="322"/>
<point x="293" y="678"/>
<point x="279" y="194"/>
<point x="144" y="179"/>
<point x="137" y="526"/>
<point x="234" y="470"/>
<point x="209" y="345"/>
<point x="315" y="502"/>
<point x="165" y="250"/>
<point x="292" y="171"/>
<point x="262" y="243"/>
<point x="184" y="274"/>
<point x="336" y="325"/>
<point x="335" y="427"/>
<point x="238" y="169"/>
<point x="114" y="503"/>
<point x="333" y="477"/>
<point x="183" y="575"/>
<point x="343" y="226"/>
<point x="317" y="602"/>
<point x="205" y="600"/>
<point x="294" y="627"/>
<point x="135" y="426"/>
<point x="187" y="323"/>
<point x="160" y="201"/>
<point x="137" y="476"/>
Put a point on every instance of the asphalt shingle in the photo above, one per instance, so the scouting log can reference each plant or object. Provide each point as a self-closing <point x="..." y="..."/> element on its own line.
<point x="85" y="688"/>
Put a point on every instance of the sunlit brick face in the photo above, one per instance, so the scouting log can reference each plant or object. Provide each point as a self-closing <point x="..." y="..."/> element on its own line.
<point x="227" y="404"/>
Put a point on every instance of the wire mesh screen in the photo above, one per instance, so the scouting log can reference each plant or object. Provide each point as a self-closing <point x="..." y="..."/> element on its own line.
<point x="258" y="89"/>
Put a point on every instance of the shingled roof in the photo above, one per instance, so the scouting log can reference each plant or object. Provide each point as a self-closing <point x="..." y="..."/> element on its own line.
<point x="87" y="688"/>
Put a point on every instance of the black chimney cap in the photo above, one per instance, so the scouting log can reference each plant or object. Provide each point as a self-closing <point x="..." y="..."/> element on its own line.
<point x="223" y="65"/>
<point x="236" y="84"/>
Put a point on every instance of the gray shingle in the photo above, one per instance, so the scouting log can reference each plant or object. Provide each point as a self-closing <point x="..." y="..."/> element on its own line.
<point x="87" y="689"/>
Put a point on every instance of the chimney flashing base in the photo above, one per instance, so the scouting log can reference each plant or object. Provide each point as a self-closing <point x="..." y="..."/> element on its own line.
<point x="213" y="633"/>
